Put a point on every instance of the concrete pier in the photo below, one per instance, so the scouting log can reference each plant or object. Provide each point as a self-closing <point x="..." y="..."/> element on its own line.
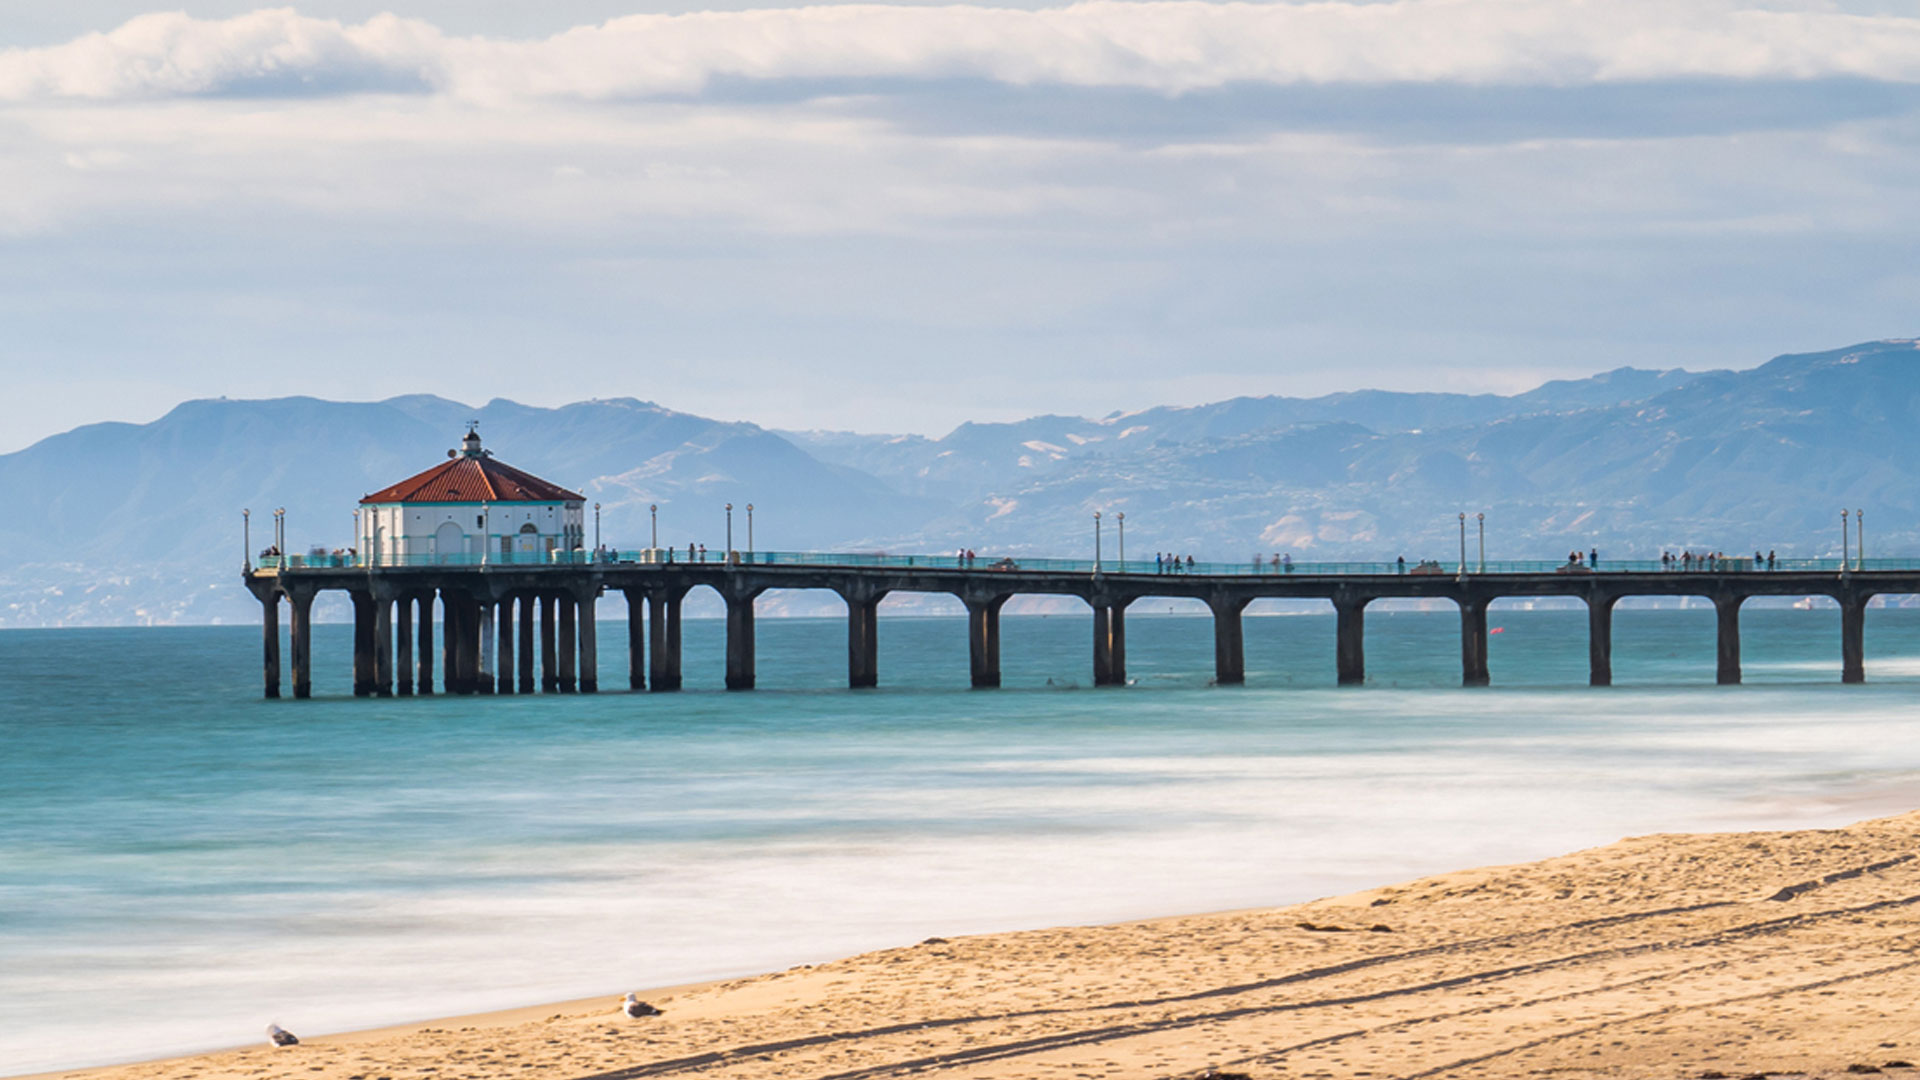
<point x="636" y="639"/>
<point x="663" y="638"/>
<point x="549" y="646"/>
<point x="529" y="635"/>
<point x="382" y="646"/>
<point x="555" y="607"/>
<point x="983" y="640"/>
<point x="1473" y="641"/>
<point x="425" y="682"/>
<point x="863" y="639"/>
<point x="507" y="662"/>
<point x="569" y="676"/>
<point x="740" y="651"/>
<point x="270" y="641"/>
<point x="403" y="637"/>
<point x="589" y="638"/>
<point x="1600" y="639"/>
<point x="1229" y="643"/>
<point x="1726" y="608"/>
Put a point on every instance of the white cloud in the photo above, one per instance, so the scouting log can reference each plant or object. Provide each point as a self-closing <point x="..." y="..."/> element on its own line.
<point x="1170" y="46"/>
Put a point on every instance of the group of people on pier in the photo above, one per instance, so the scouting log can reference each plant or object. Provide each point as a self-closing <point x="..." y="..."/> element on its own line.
<point x="1170" y="563"/>
<point x="1712" y="560"/>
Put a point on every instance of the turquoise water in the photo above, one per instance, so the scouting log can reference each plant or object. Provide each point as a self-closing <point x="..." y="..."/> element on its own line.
<point x="168" y="838"/>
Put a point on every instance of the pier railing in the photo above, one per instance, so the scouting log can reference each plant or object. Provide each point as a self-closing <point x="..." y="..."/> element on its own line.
<point x="989" y="564"/>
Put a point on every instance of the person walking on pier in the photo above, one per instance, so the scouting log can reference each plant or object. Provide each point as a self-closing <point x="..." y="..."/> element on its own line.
<point x="1769" y="558"/>
<point x="1593" y="559"/>
<point x="1400" y="565"/>
<point x="1189" y="564"/>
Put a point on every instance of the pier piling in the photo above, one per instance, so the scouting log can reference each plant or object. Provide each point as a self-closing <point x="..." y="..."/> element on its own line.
<point x="636" y="639"/>
<point x="1350" y="640"/>
<point x="403" y="638"/>
<point x="1853" y="634"/>
<point x="983" y="640"/>
<point x="1229" y="645"/>
<point x="740" y="652"/>
<point x="1473" y="641"/>
<point x="589" y="644"/>
<point x="1600" y="640"/>
<point x="1727" y="610"/>
<point x="270" y="641"/>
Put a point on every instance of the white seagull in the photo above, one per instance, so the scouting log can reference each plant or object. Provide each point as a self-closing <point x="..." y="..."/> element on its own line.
<point x="636" y="1008"/>
<point x="280" y="1036"/>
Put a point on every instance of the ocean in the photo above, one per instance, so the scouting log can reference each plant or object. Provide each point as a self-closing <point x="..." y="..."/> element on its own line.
<point x="182" y="862"/>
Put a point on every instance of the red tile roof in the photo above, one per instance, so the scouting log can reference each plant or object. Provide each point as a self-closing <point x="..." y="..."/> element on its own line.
<point x="472" y="479"/>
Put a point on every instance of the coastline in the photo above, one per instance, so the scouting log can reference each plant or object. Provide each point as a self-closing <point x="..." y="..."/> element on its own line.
<point x="1664" y="955"/>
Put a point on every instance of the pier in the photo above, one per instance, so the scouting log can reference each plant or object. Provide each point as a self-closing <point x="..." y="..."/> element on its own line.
<point x="524" y="626"/>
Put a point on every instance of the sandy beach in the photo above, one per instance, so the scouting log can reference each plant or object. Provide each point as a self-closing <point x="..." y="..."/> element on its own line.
<point x="1693" y="956"/>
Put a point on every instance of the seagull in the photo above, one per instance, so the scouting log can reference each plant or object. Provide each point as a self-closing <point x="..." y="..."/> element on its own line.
<point x="636" y="1008"/>
<point x="280" y="1036"/>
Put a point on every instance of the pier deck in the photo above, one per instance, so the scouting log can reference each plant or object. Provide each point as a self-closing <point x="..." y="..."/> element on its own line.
<point x="504" y="622"/>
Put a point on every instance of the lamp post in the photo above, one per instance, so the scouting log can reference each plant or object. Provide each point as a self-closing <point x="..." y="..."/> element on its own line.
<point x="1463" y="542"/>
<point x="1121" y="517"/>
<point x="749" y="532"/>
<point x="1096" y="541"/>
<point x="1846" y="553"/>
<point x="359" y="541"/>
<point x="596" y="530"/>
<point x="1859" y="539"/>
<point x="280" y="532"/>
<point x="1482" y="518"/>
<point x="729" y="534"/>
<point x="653" y="535"/>
<point x="246" y="539"/>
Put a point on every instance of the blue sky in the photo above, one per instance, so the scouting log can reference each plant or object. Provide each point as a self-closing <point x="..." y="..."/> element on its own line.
<point x="898" y="217"/>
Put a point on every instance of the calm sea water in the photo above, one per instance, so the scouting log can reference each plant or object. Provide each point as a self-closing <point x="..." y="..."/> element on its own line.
<point x="169" y="840"/>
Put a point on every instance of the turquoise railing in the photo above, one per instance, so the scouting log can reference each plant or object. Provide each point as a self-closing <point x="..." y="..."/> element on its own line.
<point x="1004" y="564"/>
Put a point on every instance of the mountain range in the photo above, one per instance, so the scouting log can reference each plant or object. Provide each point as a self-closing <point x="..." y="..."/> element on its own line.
<point x="140" y="523"/>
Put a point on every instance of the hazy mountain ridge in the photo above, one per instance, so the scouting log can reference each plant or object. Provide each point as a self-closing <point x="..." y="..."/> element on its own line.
<point x="129" y="523"/>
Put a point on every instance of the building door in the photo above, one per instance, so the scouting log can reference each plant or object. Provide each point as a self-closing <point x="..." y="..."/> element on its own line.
<point x="449" y="542"/>
<point x="530" y="538"/>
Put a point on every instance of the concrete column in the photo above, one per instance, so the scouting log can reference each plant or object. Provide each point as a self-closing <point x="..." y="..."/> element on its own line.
<point x="484" y="669"/>
<point x="383" y="646"/>
<point x="1117" y="642"/>
<point x="449" y="644"/>
<point x="1473" y="641"/>
<point x="362" y="643"/>
<point x="1853" y="639"/>
<point x="270" y="642"/>
<point x="425" y="683"/>
<point x="1102" y="646"/>
<point x="663" y="618"/>
<point x="549" y="650"/>
<point x="300" y="637"/>
<point x="1600" y="640"/>
<point x="983" y="640"/>
<point x="1350" y="641"/>
<point x="740" y="653"/>
<point x="403" y="638"/>
<point x="568" y="679"/>
<point x="1229" y="647"/>
<point x="1728" y="610"/>
<point x="863" y="642"/>
<point x="504" y="666"/>
<point x="589" y="645"/>
<point x="636" y="640"/>
<point x="529" y="633"/>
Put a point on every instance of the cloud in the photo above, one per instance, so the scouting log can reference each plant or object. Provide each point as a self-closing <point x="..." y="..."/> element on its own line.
<point x="1169" y="47"/>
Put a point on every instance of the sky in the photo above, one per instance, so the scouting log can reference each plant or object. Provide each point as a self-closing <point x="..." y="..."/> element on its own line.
<point x="898" y="217"/>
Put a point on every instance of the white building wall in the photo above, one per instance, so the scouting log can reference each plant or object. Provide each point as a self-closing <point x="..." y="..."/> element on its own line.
<point x="395" y="532"/>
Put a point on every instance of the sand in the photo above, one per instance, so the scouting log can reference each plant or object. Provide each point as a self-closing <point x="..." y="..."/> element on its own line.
<point x="1659" y="956"/>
